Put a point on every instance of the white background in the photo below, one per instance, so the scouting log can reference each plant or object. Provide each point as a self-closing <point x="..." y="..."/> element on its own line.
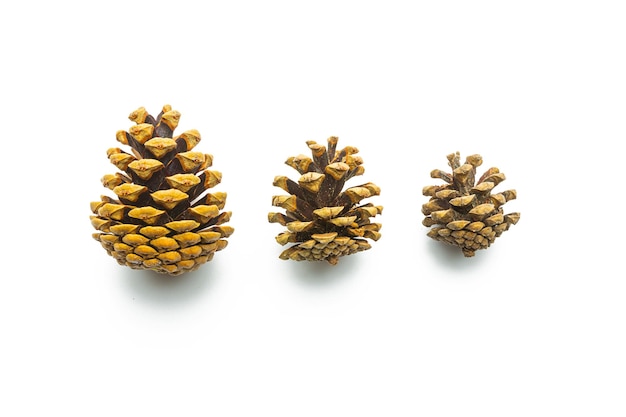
<point x="534" y="326"/>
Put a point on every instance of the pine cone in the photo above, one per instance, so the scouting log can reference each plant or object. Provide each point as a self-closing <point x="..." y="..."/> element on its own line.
<point x="163" y="219"/>
<point x="323" y="221"/>
<point x="464" y="214"/>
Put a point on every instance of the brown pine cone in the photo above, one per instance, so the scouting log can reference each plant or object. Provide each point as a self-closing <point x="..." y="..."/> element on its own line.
<point x="463" y="212"/>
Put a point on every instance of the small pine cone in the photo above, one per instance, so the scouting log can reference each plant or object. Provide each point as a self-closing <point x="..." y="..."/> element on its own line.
<point x="163" y="218"/>
<point x="464" y="212"/>
<point x="323" y="221"/>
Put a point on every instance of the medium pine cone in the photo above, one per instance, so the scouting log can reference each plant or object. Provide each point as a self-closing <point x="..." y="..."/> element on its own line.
<point x="163" y="219"/>
<point x="323" y="221"/>
<point x="463" y="212"/>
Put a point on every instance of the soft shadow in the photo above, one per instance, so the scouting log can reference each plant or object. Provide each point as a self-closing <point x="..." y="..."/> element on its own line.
<point x="452" y="257"/>
<point x="322" y="274"/>
<point x="167" y="291"/>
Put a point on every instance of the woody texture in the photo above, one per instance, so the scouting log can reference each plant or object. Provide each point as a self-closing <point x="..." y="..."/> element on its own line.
<point x="162" y="217"/>
<point x="324" y="221"/>
<point x="464" y="212"/>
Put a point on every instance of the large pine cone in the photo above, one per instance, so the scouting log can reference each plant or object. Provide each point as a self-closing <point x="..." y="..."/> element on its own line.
<point x="465" y="213"/>
<point x="162" y="219"/>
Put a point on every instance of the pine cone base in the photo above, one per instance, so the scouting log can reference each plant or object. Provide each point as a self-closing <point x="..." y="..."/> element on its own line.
<point x="325" y="247"/>
<point x="474" y="236"/>
<point x="168" y="249"/>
